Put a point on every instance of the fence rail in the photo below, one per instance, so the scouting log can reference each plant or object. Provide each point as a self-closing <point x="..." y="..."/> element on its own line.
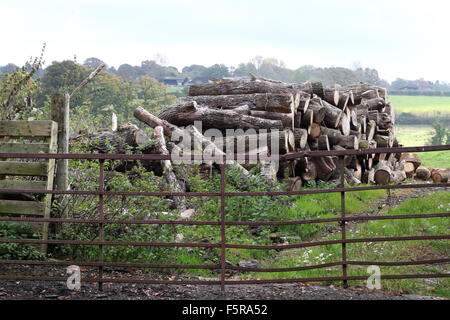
<point x="223" y="245"/>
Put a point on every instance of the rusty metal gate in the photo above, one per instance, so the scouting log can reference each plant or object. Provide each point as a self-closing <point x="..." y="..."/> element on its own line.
<point x="223" y="245"/>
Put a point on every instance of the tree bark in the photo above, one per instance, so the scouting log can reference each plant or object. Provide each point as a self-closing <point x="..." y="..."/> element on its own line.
<point x="229" y="87"/>
<point x="168" y="174"/>
<point x="318" y="112"/>
<point x="323" y="143"/>
<point x="423" y="173"/>
<point x="310" y="173"/>
<point x="384" y="141"/>
<point x="146" y="117"/>
<point x="273" y="102"/>
<point x="374" y="103"/>
<point x="324" y="167"/>
<point x="333" y="115"/>
<point x="216" y="119"/>
<point x="287" y="141"/>
<point x="300" y="137"/>
<point x="382" y="173"/>
<point x="287" y="119"/>
<point x="335" y="137"/>
<point x="439" y="176"/>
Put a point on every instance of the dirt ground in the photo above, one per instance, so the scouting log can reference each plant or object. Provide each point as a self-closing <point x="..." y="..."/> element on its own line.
<point x="50" y="290"/>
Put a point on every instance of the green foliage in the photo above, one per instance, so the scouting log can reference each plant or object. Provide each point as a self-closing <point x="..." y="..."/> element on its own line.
<point x="18" y="251"/>
<point x="439" y="135"/>
<point x="18" y="90"/>
<point x="107" y="93"/>
<point x="18" y="106"/>
<point x="153" y="94"/>
<point x="84" y="175"/>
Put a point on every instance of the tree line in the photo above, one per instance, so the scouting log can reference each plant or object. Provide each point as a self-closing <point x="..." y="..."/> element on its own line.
<point x="25" y="91"/>
<point x="264" y="67"/>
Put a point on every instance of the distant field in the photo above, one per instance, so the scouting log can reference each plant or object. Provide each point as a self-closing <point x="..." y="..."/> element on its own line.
<point x="437" y="159"/>
<point x="421" y="105"/>
<point x="413" y="135"/>
<point x="416" y="136"/>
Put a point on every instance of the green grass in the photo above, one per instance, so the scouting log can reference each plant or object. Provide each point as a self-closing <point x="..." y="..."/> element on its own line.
<point x="437" y="159"/>
<point x="305" y="207"/>
<point x="418" y="135"/>
<point x="421" y="105"/>
<point x="383" y="251"/>
<point x="413" y="135"/>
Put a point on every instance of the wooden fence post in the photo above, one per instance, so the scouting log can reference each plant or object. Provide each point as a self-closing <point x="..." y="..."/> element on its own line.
<point x="60" y="114"/>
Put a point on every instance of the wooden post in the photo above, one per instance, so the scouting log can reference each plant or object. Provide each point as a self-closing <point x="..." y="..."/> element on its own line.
<point x="60" y="114"/>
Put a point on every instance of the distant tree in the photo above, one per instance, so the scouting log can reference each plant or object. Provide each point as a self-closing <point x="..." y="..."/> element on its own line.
<point x="440" y="135"/>
<point x="128" y="72"/>
<point x="304" y="73"/>
<point x="216" y="71"/>
<point x="93" y="62"/>
<point x="62" y="77"/>
<point x="17" y="92"/>
<point x="257" y="61"/>
<point x="243" y="69"/>
<point x="106" y="93"/>
<point x="153" y="94"/>
<point x="194" y="70"/>
<point x="9" y="68"/>
<point x="18" y="89"/>
<point x="152" y="69"/>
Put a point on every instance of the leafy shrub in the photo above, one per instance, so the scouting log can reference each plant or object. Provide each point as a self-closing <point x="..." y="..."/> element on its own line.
<point x="18" y="251"/>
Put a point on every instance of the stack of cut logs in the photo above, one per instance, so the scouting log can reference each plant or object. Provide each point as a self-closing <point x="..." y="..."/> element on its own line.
<point x="309" y="116"/>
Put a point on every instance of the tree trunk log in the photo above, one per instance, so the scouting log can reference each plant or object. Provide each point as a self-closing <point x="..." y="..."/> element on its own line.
<point x="216" y="119"/>
<point x="333" y="115"/>
<point x="324" y="167"/>
<point x="146" y="117"/>
<point x="301" y="138"/>
<point x="382" y="173"/>
<point x="423" y="173"/>
<point x="384" y="141"/>
<point x="273" y="102"/>
<point x="168" y="174"/>
<point x="286" y="118"/>
<point x="323" y="143"/>
<point x="310" y="173"/>
<point x="335" y="137"/>
<point x="439" y="176"/>
<point x="231" y="87"/>
<point x="409" y="169"/>
<point x="410" y="157"/>
<point x="319" y="113"/>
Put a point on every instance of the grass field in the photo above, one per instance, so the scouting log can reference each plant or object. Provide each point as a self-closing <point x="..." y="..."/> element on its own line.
<point x="421" y="105"/>
<point x="418" y="135"/>
<point x="413" y="135"/>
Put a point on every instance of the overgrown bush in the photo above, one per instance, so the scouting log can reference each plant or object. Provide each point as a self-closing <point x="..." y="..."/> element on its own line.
<point x="18" y="251"/>
<point x="440" y="135"/>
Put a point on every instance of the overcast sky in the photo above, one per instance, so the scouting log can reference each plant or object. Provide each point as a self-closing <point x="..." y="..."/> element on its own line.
<point x="408" y="39"/>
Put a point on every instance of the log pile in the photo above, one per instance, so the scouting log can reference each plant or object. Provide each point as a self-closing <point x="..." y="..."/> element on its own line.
<point x="309" y="117"/>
